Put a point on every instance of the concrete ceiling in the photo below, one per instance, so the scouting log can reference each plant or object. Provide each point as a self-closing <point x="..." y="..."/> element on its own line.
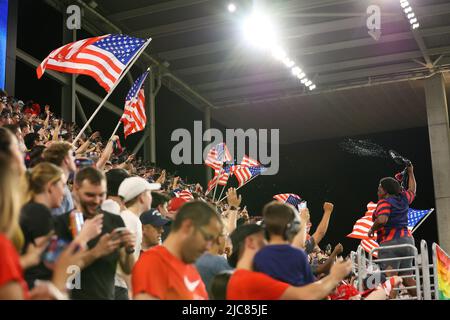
<point x="202" y="43"/>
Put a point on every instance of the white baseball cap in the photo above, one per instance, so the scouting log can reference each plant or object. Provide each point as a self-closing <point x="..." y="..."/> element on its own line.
<point x="131" y="187"/>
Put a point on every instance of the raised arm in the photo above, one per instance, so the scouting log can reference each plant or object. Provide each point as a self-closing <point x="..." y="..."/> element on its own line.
<point x="323" y="225"/>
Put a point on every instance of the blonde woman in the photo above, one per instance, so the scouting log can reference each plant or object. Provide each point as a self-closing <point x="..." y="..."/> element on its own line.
<point x="46" y="184"/>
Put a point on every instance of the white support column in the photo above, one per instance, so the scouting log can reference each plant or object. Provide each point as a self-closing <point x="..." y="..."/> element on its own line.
<point x="439" y="133"/>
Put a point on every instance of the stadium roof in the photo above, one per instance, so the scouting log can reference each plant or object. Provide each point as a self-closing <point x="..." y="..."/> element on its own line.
<point x="363" y="85"/>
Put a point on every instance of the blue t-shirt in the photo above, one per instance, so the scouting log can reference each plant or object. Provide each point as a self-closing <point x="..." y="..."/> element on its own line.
<point x="284" y="263"/>
<point x="209" y="265"/>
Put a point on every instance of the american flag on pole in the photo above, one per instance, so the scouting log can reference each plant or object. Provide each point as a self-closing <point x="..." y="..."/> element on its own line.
<point x="415" y="216"/>
<point x="245" y="174"/>
<point x="212" y="184"/>
<point x="217" y="156"/>
<point x="290" y="198"/>
<point x="249" y="162"/>
<point x="225" y="174"/>
<point x="104" y="58"/>
<point x="361" y="228"/>
<point x="134" y="118"/>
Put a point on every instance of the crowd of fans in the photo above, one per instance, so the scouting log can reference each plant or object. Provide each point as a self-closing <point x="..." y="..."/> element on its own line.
<point x="90" y="221"/>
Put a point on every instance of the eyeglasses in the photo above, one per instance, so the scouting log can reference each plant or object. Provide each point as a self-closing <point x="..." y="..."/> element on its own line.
<point x="208" y="237"/>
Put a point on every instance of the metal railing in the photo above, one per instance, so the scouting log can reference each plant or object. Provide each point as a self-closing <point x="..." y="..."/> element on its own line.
<point x="426" y="281"/>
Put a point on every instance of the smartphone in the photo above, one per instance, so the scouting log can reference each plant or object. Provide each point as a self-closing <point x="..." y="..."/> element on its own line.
<point x="53" y="251"/>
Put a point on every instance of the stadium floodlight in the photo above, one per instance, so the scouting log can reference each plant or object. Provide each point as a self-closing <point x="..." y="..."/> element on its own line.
<point x="259" y="31"/>
<point x="404" y="4"/>
<point x="308" y="83"/>
<point x="304" y="80"/>
<point x="407" y="10"/>
<point x="231" y="7"/>
<point x="301" y="76"/>
<point x="413" y="20"/>
<point x="288" y="62"/>
<point x="411" y="15"/>
<point x="278" y="53"/>
<point x="312" y="87"/>
<point x="296" y="71"/>
<point x="415" y="26"/>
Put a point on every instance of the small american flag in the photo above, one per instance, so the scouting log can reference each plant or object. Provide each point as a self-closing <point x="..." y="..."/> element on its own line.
<point x="249" y="162"/>
<point x="184" y="194"/>
<point x="212" y="184"/>
<point x="104" y="58"/>
<point x="217" y="156"/>
<point x="244" y="174"/>
<point x="134" y="117"/>
<point x="415" y="216"/>
<point x="290" y="198"/>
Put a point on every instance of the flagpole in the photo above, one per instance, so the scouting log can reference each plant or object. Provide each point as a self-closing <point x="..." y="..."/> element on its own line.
<point x="115" y="130"/>
<point x="133" y="60"/>
<point x="223" y="189"/>
<point x="120" y="120"/>
<point x="239" y="187"/>
<point x="421" y="221"/>
<point x="217" y="182"/>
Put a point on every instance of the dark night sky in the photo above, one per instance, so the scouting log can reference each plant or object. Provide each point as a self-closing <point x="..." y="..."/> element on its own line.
<point x="318" y="171"/>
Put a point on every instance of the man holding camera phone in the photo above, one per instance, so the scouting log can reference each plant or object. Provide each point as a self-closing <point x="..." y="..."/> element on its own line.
<point x="107" y="249"/>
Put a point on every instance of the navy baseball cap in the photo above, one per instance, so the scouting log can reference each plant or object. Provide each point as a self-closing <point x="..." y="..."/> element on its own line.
<point x="154" y="218"/>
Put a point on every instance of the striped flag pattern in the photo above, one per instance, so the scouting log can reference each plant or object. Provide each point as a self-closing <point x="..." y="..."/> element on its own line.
<point x="185" y="194"/>
<point x="103" y="58"/>
<point x="369" y="245"/>
<point x="134" y="118"/>
<point x="290" y="198"/>
<point x="249" y="162"/>
<point x="245" y="174"/>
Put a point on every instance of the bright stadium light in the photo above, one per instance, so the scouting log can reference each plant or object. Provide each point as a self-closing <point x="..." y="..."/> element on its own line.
<point x="312" y="87"/>
<point x="296" y="71"/>
<point x="232" y="7"/>
<point x="288" y="62"/>
<point x="259" y="31"/>
<point x="409" y="13"/>
<point x="301" y="76"/>
<point x="304" y="80"/>
<point x="278" y="53"/>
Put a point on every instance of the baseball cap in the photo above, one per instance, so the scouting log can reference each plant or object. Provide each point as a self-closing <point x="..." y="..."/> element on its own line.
<point x="131" y="187"/>
<point x="237" y="238"/>
<point x="154" y="218"/>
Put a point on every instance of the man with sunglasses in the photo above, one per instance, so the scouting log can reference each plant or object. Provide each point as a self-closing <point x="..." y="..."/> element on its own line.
<point x="62" y="155"/>
<point x="166" y="271"/>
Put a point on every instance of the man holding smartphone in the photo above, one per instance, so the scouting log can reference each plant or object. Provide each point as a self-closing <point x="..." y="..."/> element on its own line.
<point x="106" y="250"/>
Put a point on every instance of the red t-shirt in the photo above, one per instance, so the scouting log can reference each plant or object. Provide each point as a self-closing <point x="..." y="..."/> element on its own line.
<point x="10" y="269"/>
<point x="162" y="275"/>
<point x="251" y="285"/>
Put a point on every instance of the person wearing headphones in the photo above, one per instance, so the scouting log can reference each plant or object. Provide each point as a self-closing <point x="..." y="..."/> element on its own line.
<point x="279" y="259"/>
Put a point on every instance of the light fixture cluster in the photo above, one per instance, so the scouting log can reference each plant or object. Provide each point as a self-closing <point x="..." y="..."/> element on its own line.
<point x="280" y="55"/>
<point x="407" y="9"/>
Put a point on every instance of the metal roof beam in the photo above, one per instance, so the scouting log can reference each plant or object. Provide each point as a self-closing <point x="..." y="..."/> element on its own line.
<point x="154" y="8"/>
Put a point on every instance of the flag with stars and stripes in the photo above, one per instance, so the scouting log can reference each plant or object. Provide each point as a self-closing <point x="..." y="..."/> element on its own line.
<point x="184" y="194"/>
<point x="217" y="156"/>
<point x="415" y="216"/>
<point x="290" y="198"/>
<point x="134" y="118"/>
<point x="244" y="174"/>
<point x="104" y="58"/>
<point x="249" y="162"/>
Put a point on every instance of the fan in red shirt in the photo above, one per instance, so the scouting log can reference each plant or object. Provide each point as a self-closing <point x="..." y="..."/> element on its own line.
<point x="246" y="284"/>
<point x="167" y="272"/>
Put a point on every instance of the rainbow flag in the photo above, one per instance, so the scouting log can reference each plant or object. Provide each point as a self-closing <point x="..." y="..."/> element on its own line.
<point x="443" y="273"/>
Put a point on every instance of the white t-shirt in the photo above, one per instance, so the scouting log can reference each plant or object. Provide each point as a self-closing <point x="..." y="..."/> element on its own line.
<point x="133" y="223"/>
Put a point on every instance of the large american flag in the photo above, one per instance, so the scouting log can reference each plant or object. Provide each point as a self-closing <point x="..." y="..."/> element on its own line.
<point x="244" y="174"/>
<point x="104" y="58"/>
<point x="290" y="198"/>
<point x="217" y="156"/>
<point x="134" y="118"/>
